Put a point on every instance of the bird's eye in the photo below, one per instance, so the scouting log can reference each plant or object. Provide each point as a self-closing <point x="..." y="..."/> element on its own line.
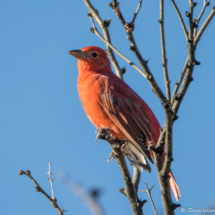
<point x="94" y="54"/>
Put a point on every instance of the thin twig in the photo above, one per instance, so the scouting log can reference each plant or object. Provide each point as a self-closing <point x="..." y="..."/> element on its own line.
<point x="200" y="15"/>
<point x="188" y="70"/>
<point x="191" y="36"/>
<point x="105" y="31"/>
<point x="90" y="201"/>
<point x="148" y="75"/>
<point x="148" y="191"/>
<point x="39" y="189"/>
<point x="163" y="50"/>
<point x="137" y="11"/>
<point x="190" y="63"/>
<point x="185" y="84"/>
<point x="204" y="26"/>
<point x="51" y="180"/>
<point x="180" y="18"/>
<point x="177" y="85"/>
<point x="203" y="10"/>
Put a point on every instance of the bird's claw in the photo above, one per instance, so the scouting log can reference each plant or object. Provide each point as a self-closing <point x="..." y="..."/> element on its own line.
<point x="111" y="157"/>
<point x="103" y="133"/>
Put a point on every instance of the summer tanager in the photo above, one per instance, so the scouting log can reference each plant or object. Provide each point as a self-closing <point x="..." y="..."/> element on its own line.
<point x="110" y="103"/>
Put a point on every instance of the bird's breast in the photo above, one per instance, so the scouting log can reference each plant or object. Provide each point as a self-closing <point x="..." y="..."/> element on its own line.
<point x="89" y="90"/>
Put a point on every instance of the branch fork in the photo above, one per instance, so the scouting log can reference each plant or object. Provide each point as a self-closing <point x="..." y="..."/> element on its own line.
<point x="52" y="199"/>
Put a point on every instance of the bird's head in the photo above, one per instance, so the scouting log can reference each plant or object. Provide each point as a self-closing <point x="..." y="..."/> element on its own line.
<point x="92" y="57"/>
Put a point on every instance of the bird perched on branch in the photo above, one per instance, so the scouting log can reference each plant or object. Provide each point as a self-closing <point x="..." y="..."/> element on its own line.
<point x="110" y="103"/>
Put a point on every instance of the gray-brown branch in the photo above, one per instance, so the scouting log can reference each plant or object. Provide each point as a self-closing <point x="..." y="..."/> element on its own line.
<point x="163" y="50"/>
<point x="148" y="191"/>
<point x="137" y="11"/>
<point x="148" y="75"/>
<point x="204" y="26"/>
<point x="200" y="15"/>
<point x="180" y="18"/>
<point x="177" y="85"/>
<point x="39" y="189"/>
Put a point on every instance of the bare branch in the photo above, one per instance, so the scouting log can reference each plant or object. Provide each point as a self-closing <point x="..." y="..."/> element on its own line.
<point x="176" y="103"/>
<point x="163" y="50"/>
<point x="148" y="191"/>
<point x="88" y="200"/>
<point x="204" y="26"/>
<point x="105" y="31"/>
<point x="191" y="62"/>
<point x="177" y="85"/>
<point x="191" y="28"/>
<point x="189" y="65"/>
<point x="39" y="189"/>
<point x="180" y="18"/>
<point x="206" y="3"/>
<point x="51" y="180"/>
<point x="137" y="11"/>
<point x="148" y="75"/>
<point x="203" y="10"/>
<point x="187" y="79"/>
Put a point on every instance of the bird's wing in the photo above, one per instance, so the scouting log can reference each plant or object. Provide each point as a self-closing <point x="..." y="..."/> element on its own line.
<point x="129" y="118"/>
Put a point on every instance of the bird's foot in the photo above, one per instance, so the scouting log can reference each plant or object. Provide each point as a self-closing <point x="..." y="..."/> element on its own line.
<point x="111" y="157"/>
<point x="103" y="133"/>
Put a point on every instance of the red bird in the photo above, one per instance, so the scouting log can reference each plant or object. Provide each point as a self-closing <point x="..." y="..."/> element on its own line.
<point x="110" y="103"/>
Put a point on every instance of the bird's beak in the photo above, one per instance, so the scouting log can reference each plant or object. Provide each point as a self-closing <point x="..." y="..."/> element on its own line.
<point x="78" y="54"/>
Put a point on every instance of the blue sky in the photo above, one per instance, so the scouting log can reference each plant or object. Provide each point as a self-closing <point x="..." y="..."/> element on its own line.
<point x="42" y="119"/>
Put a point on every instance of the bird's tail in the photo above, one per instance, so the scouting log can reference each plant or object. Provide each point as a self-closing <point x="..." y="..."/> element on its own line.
<point x="138" y="160"/>
<point x="174" y="186"/>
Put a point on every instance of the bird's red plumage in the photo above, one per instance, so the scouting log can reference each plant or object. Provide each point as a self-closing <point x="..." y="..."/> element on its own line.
<point x="110" y="102"/>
